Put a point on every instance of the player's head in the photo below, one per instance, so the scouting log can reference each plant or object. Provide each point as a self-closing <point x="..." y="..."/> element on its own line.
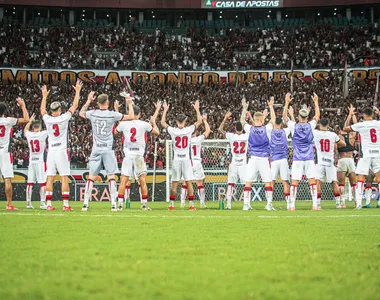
<point x="238" y="127"/>
<point x="137" y="111"/>
<point x="3" y="109"/>
<point x="368" y="113"/>
<point x="181" y="120"/>
<point x="56" y="108"/>
<point x="36" y="125"/>
<point x="103" y="101"/>
<point x="258" y="117"/>
<point x="324" y="124"/>
<point x="278" y="123"/>
<point x="303" y="115"/>
<point x="339" y="126"/>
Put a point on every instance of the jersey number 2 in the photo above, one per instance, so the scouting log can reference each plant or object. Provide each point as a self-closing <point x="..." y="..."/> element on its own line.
<point x="133" y="132"/>
<point x="35" y="145"/>
<point x="2" y="131"/>
<point x="181" y="143"/>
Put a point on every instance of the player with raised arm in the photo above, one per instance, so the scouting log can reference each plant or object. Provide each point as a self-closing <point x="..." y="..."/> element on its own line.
<point x="182" y="166"/>
<point x="303" y="152"/>
<point x="134" y="149"/>
<point x="258" y="144"/>
<point x="103" y="154"/>
<point x="325" y="142"/>
<point x="6" y="159"/>
<point x="369" y="131"/>
<point x="58" y="159"/>
<point x="238" y="166"/>
<point x="37" y="164"/>
<point x="198" y="172"/>
<point x="279" y="151"/>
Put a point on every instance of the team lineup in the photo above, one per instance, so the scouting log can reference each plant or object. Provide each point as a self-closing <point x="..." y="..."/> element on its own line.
<point x="266" y="145"/>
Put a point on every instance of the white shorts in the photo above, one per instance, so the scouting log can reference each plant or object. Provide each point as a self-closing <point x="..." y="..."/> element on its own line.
<point x="326" y="171"/>
<point x="346" y="165"/>
<point x="58" y="161"/>
<point x="6" y="165"/>
<point x="258" y="166"/>
<point x="366" y="164"/>
<point x="37" y="173"/>
<point x="182" y="169"/>
<point x="237" y="173"/>
<point x="303" y="167"/>
<point x="103" y="160"/>
<point x="133" y="166"/>
<point x="198" y="172"/>
<point x="280" y="167"/>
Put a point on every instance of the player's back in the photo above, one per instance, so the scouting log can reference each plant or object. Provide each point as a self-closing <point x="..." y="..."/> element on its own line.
<point x="302" y="140"/>
<point x="103" y="122"/>
<point x="134" y="133"/>
<point x="279" y="144"/>
<point x="238" y="144"/>
<point x="37" y="145"/>
<point x="258" y="140"/>
<point x="6" y="125"/>
<point x="181" y="141"/>
<point x="196" y="147"/>
<point x="325" y="144"/>
<point x="57" y="128"/>
<point x="369" y="132"/>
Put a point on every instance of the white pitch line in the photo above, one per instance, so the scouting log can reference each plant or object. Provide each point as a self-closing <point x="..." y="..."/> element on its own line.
<point x="186" y="217"/>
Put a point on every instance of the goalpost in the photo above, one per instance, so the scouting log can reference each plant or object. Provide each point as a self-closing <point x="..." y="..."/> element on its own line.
<point x="216" y="155"/>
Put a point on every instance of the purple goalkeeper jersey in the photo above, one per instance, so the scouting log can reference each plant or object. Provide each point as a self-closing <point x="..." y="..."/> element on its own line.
<point x="303" y="142"/>
<point x="258" y="141"/>
<point x="279" y="144"/>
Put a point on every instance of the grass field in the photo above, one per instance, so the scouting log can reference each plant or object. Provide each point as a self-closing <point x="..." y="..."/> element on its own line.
<point x="205" y="254"/>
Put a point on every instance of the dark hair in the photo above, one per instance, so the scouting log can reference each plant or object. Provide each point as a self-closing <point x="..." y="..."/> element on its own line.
<point x="36" y="124"/>
<point x="102" y="98"/>
<point x="368" y="111"/>
<point x="3" y="108"/>
<point x="136" y="110"/>
<point x="324" y="122"/>
<point x="340" y="125"/>
<point x="278" y="121"/>
<point x="238" y="126"/>
<point x="181" y="118"/>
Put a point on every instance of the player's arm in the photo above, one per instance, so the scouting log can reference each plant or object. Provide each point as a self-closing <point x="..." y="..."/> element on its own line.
<point x="199" y="117"/>
<point x="27" y="126"/>
<point x="245" y="105"/>
<point x="77" y="88"/>
<point x="351" y="116"/>
<point x="316" y="106"/>
<point x="90" y="98"/>
<point x="45" y="94"/>
<point x="271" y="109"/>
<point x="291" y="114"/>
<point x="163" y="118"/>
<point x="288" y="99"/>
<point x="131" y="114"/>
<point x="207" y="127"/>
<point x="152" y="121"/>
<point x="227" y="116"/>
<point x="25" y="114"/>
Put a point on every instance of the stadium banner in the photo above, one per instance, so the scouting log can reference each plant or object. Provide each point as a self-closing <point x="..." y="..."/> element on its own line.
<point x="50" y="76"/>
<point x="241" y="4"/>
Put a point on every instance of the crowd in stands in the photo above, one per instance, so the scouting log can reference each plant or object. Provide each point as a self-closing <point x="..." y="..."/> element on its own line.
<point x="314" y="46"/>
<point x="216" y="99"/>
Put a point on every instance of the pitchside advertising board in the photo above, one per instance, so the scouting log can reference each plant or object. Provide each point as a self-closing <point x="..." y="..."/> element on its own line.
<point x="50" y="76"/>
<point x="241" y="4"/>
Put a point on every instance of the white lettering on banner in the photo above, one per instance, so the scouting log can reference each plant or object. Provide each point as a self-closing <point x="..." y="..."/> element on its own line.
<point x="11" y="76"/>
<point x="222" y="193"/>
<point x="105" y="195"/>
<point x="241" y="4"/>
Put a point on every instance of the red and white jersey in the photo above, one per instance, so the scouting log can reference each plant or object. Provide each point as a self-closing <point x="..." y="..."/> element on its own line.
<point x="181" y="141"/>
<point x="134" y="136"/>
<point x="196" y="147"/>
<point x="6" y="125"/>
<point x="57" y="128"/>
<point x="325" y="143"/>
<point x="369" y="136"/>
<point x="37" y="146"/>
<point x="239" y="145"/>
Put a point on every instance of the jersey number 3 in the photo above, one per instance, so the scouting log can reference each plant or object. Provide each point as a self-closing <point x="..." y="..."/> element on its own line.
<point x="2" y="131"/>
<point x="56" y="130"/>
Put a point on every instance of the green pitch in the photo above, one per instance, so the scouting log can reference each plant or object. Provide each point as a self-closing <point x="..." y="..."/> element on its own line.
<point x="206" y="254"/>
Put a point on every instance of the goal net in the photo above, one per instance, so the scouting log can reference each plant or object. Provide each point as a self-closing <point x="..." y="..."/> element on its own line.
<point x="216" y="156"/>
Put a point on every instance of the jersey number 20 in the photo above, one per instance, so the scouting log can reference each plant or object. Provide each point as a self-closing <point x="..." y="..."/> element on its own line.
<point x="181" y="142"/>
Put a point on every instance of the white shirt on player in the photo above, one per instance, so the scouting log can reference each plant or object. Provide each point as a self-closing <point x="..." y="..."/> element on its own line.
<point x="37" y="146"/>
<point x="325" y="143"/>
<point x="134" y="136"/>
<point x="370" y="137"/>
<point x="181" y="141"/>
<point x="196" y="147"/>
<point x="57" y="128"/>
<point x="6" y="125"/>
<point x="239" y="145"/>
